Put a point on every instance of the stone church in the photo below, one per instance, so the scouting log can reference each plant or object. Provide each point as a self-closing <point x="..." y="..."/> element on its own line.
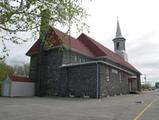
<point x="83" y="67"/>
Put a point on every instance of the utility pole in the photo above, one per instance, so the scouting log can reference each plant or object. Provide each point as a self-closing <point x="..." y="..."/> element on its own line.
<point x="145" y="79"/>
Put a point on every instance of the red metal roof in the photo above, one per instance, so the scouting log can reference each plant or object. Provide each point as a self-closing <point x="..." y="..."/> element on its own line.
<point x="83" y="44"/>
<point x="100" y="50"/>
<point x="58" y="38"/>
<point x="20" y="79"/>
<point x="34" y="48"/>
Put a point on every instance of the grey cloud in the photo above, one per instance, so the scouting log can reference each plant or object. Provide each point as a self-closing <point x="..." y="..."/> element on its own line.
<point x="18" y="60"/>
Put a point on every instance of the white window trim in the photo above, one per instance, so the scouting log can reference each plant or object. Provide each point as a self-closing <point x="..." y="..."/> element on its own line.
<point x="107" y="75"/>
<point x="75" y="58"/>
<point x="120" y="77"/>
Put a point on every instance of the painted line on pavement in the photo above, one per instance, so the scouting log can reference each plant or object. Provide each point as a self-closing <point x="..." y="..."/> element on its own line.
<point x="144" y="110"/>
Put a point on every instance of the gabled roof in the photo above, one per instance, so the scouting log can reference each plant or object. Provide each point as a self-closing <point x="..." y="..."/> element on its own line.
<point x="57" y="37"/>
<point x="20" y="79"/>
<point x="84" y="44"/>
<point x="99" y="50"/>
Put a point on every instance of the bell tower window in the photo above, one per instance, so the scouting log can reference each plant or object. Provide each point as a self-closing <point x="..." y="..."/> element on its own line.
<point x="117" y="45"/>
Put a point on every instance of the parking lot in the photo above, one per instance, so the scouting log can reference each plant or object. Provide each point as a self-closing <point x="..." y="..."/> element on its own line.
<point x="127" y="107"/>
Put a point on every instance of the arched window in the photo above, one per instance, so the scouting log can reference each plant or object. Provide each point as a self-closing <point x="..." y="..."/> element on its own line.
<point x="117" y="45"/>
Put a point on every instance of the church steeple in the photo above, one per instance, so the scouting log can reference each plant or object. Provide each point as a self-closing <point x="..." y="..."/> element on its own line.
<point x="119" y="43"/>
<point x="118" y="31"/>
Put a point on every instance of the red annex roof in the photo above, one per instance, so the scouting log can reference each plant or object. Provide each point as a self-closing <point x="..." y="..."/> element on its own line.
<point x="83" y="44"/>
<point x="20" y="79"/>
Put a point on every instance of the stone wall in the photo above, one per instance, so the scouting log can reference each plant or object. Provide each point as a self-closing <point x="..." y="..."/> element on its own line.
<point x="50" y="71"/>
<point x="33" y="67"/>
<point x="80" y="80"/>
<point x="34" y="71"/>
<point x="52" y="61"/>
<point x="114" y="84"/>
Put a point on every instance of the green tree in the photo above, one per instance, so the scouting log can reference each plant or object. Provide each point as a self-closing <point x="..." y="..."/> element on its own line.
<point x="5" y="70"/>
<point x="10" y="70"/>
<point x="18" y="16"/>
<point x="36" y="16"/>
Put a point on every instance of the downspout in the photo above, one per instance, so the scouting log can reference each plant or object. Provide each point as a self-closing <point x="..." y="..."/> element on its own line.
<point x="97" y="80"/>
<point x="68" y="82"/>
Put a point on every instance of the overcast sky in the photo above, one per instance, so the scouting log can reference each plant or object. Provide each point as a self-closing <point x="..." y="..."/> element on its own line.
<point x="139" y="22"/>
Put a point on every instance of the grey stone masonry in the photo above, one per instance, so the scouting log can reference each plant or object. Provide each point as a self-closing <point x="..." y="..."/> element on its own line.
<point x="79" y="80"/>
<point x="112" y="81"/>
<point x="50" y="71"/>
<point x="69" y="73"/>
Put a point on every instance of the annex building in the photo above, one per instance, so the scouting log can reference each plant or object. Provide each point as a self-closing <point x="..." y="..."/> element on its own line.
<point x="83" y="67"/>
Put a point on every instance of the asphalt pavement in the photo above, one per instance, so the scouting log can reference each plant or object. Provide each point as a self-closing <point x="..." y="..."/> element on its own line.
<point x="144" y="106"/>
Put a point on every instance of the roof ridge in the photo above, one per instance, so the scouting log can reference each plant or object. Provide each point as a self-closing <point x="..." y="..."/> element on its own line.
<point x="92" y="42"/>
<point x="74" y="43"/>
<point x="101" y="45"/>
<point x="104" y="47"/>
<point x="67" y="35"/>
<point x="118" y="60"/>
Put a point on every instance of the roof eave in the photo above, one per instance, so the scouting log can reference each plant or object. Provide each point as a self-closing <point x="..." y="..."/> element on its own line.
<point x="135" y="70"/>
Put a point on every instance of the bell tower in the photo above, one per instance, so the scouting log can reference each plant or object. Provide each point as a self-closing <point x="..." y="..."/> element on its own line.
<point x="119" y="43"/>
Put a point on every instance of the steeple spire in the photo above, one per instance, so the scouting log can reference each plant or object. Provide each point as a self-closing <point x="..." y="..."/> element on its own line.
<point x="118" y="31"/>
<point x="119" y="43"/>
